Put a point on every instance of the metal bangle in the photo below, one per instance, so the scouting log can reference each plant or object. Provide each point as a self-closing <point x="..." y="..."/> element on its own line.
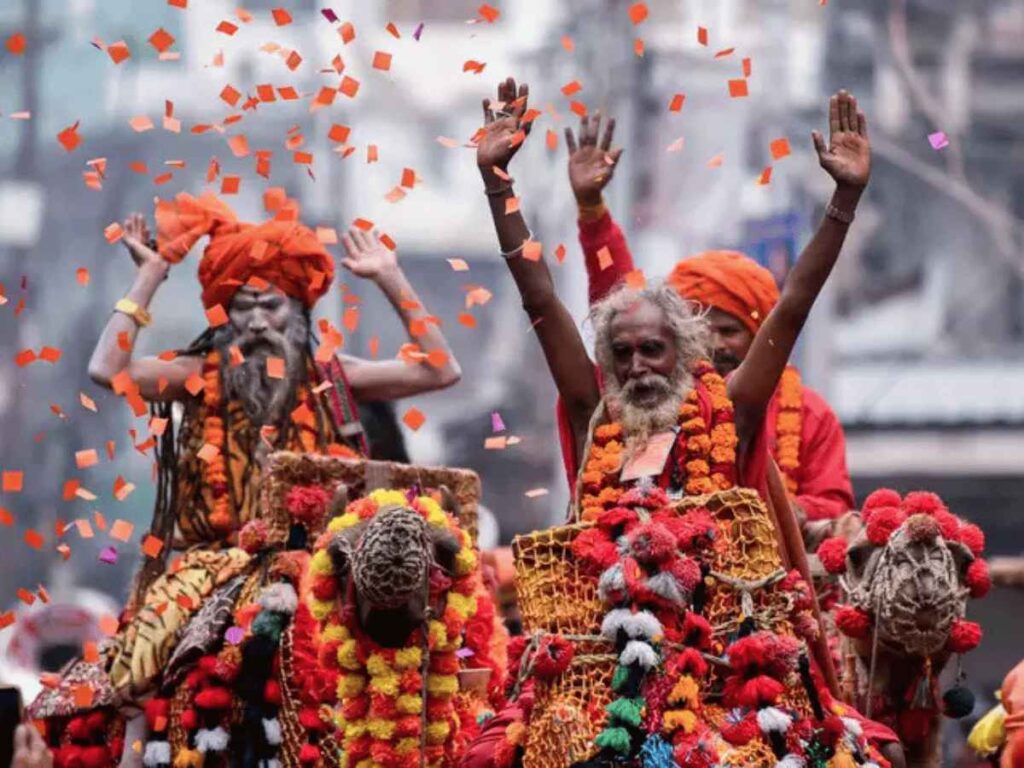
<point x="517" y="251"/>
<point x="843" y="217"/>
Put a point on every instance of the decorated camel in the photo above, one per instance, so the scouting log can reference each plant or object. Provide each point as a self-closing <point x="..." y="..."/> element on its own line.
<point x="361" y="625"/>
<point x="905" y="575"/>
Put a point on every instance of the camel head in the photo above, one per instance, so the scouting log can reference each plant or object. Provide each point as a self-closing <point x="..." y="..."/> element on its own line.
<point x="908" y="573"/>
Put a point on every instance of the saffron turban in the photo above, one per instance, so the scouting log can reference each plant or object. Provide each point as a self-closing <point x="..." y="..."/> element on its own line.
<point x="729" y="281"/>
<point x="281" y="251"/>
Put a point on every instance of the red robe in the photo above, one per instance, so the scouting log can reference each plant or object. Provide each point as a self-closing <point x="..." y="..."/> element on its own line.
<point x="823" y="481"/>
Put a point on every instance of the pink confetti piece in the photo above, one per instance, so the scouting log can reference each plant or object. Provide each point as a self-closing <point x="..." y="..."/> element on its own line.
<point x="234" y="635"/>
<point x="536" y="492"/>
<point x="109" y="555"/>
<point x="464" y="653"/>
<point x="497" y="425"/>
<point x="418" y="32"/>
<point x="330" y="15"/>
<point x="938" y="140"/>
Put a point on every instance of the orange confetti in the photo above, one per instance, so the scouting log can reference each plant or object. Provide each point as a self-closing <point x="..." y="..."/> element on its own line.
<point x="458" y="265"/>
<point x="765" y="177"/>
<point x="227" y="28"/>
<point x="467" y="320"/>
<point x="239" y="145"/>
<point x="293" y="61"/>
<point x="638" y="46"/>
<point x="339" y="133"/>
<point x="738" y="88"/>
<point x="371" y="153"/>
<point x="387" y="242"/>
<point x="87" y="402"/>
<point x="716" y="161"/>
<point x="414" y="419"/>
<point x="118" y="51"/>
<point x="568" y="44"/>
<point x="113" y="232"/>
<point x="16" y="44"/>
<point x="511" y="205"/>
<point x="779" y="148"/>
<point x="6" y="518"/>
<point x="349" y="86"/>
<point x="108" y="624"/>
<point x="638" y="12"/>
<point x="161" y="40"/>
<point x="746" y="67"/>
<point x="69" y="138"/>
<point x="578" y="108"/>
<point x="636" y="279"/>
<point x="86" y="458"/>
<point x="121" y="530"/>
<point x="178" y="3"/>
<point x="551" y="140"/>
<point x="382" y="61"/>
<point x="702" y="36"/>
<point x="82" y="276"/>
<point x="725" y="52"/>
<point x="572" y="88"/>
<point x="677" y="102"/>
<point x="141" y="123"/>
<point x="275" y="367"/>
<point x="11" y="481"/>
<point x="560" y="253"/>
<point x="34" y="539"/>
<point x="408" y="178"/>
<point x="604" y="258"/>
<point x="229" y="185"/>
<point x="82" y="695"/>
<point x="216" y="316"/>
<point x="281" y="17"/>
<point x="151" y="546"/>
<point x="392" y="30"/>
<point x="230" y="95"/>
<point x="675" y="146"/>
<point x="347" y="32"/>
<point x="474" y="66"/>
<point x="327" y="235"/>
<point x="488" y="13"/>
<point x="6" y="619"/>
<point x="90" y="652"/>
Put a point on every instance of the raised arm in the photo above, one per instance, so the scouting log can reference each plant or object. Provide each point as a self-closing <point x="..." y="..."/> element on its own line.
<point x="436" y="369"/>
<point x="503" y="133"/>
<point x="157" y="379"/>
<point x="592" y="163"/>
<point x="847" y="159"/>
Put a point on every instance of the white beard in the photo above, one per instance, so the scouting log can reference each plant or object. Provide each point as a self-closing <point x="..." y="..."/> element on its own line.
<point x="641" y="421"/>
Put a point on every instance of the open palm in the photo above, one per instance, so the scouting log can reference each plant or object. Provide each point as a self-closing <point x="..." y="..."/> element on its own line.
<point x="592" y="161"/>
<point x="367" y="256"/>
<point x="847" y="158"/>
<point x="503" y="132"/>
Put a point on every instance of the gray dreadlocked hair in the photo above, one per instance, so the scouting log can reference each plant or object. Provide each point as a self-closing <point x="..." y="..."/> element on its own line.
<point x="687" y="325"/>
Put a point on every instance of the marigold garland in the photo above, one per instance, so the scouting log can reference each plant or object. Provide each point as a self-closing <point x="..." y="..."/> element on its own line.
<point x="708" y="461"/>
<point x="380" y="699"/>
<point x="789" y="427"/>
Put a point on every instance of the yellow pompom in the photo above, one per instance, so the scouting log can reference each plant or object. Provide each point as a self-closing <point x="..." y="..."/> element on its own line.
<point x="320" y="609"/>
<point x="385" y="497"/>
<point x="378" y="665"/>
<point x="442" y="685"/>
<point x="437" y="732"/>
<point x="409" y="704"/>
<point x="381" y="729"/>
<point x="188" y="758"/>
<point x="408" y="658"/>
<point x="684" y="693"/>
<point x="465" y="561"/>
<point x="341" y="522"/>
<point x="348" y="658"/>
<point x="674" y="719"/>
<point x="385" y="684"/>
<point x="437" y="633"/>
<point x="462" y="605"/>
<point x="335" y="633"/>
<point x="842" y="760"/>
<point x="320" y="564"/>
<point x="365" y="763"/>
<point x="405" y="746"/>
<point x="350" y="685"/>
<point x="355" y="730"/>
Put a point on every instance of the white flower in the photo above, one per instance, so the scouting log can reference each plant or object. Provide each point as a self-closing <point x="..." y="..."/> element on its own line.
<point x="157" y="753"/>
<point x="279" y="597"/>
<point x="773" y="719"/>
<point x="272" y="730"/>
<point x="639" y="652"/>
<point x="215" y="740"/>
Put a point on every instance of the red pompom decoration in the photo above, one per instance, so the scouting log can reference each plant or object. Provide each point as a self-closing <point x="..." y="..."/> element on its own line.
<point x="307" y="504"/>
<point x="972" y="537"/>
<point x="688" y="662"/>
<point x="652" y="543"/>
<point x="882" y="522"/>
<point x="272" y="692"/>
<point x="207" y="665"/>
<point x="755" y="693"/>
<point x="922" y="503"/>
<point x="78" y="729"/>
<point x="97" y="721"/>
<point x="69" y="756"/>
<point x="553" y="656"/>
<point x="696" y="631"/>
<point x="617" y="517"/>
<point x="214" y="697"/>
<point x="883" y="497"/>
<point x="977" y="579"/>
<point x="254" y="536"/>
<point x="96" y="757"/>
<point x="832" y="553"/>
<point x="832" y="730"/>
<point x="156" y="710"/>
<point x="686" y="572"/>
<point x="949" y="525"/>
<point x="740" y="732"/>
<point x="309" y="754"/>
<point x="642" y="496"/>
<point x="189" y="719"/>
<point x="309" y="718"/>
<point x="595" y="549"/>
<point x="964" y="636"/>
<point x="852" y="622"/>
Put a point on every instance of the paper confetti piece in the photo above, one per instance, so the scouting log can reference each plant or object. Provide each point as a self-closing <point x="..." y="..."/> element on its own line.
<point x="118" y="51"/>
<point x="414" y="419"/>
<point x="779" y="148"/>
<point x="86" y="458"/>
<point x="15" y="44"/>
<point x="11" y="481"/>
<point x="560" y="253"/>
<point x="349" y="86"/>
<point x="234" y="635"/>
<point x="765" y="177"/>
<point x="474" y="66"/>
<point x="938" y="140"/>
<point x="568" y="44"/>
<point x="746" y="67"/>
<point x="578" y="108"/>
<point x="216" y="316"/>
<point x="6" y="619"/>
<point x="716" y="161"/>
<point x="604" y="258"/>
<point x="638" y="47"/>
<point x="488" y="13"/>
<point x="677" y="102"/>
<point x="675" y="146"/>
<point x="141" y="123"/>
<point x="108" y="555"/>
<point x="497" y="443"/>
<point x="69" y="138"/>
<point x="82" y="276"/>
<point x="347" y="32"/>
<point x="382" y="61"/>
<point x="637" y="12"/>
<point x="227" y="28"/>
<point x="239" y="145"/>
<point x="418" y="32"/>
<point x="281" y="17"/>
<point x="121" y="530"/>
<point x="34" y="539"/>
<point x="151" y="546"/>
<point x="275" y="367"/>
<point x="572" y="88"/>
<point x="702" y="36"/>
<point x="161" y="40"/>
<point x="738" y="88"/>
<point x="82" y="695"/>
<point x="724" y="53"/>
<point x="497" y="425"/>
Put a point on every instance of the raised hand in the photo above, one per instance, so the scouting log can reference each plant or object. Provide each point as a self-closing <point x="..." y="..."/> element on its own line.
<point x="136" y="239"/>
<point x="504" y="130"/>
<point x="592" y="161"/>
<point x="847" y="158"/>
<point x="367" y="257"/>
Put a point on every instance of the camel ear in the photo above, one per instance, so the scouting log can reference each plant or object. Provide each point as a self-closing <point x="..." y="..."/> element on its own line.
<point x="339" y="549"/>
<point x="446" y="547"/>
<point x="858" y="555"/>
<point x="449" y="503"/>
<point x="339" y="501"/>
<point x="962" y="556"/>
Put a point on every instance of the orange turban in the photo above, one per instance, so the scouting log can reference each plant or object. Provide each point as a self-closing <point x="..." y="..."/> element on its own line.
<point x="730" y="281"/>
<point x="280" y="251"/>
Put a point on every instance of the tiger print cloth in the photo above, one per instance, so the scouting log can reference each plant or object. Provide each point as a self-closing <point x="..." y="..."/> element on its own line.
<point x="141" y="650"/>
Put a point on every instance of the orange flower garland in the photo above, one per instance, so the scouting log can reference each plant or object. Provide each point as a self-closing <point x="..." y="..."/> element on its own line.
<point x="789" y="426"/>
<point x="214" y="440"/>
<point x="709" y="461"/>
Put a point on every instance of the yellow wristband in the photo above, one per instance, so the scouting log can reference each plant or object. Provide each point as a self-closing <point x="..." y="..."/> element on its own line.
<point x="592" y="212"/>
<point x="128" y="307"/>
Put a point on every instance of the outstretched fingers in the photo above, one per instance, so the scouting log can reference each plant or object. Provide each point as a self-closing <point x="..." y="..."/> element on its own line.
<point x="488" y="112"/>
<point x="595" y="127"/>
<point x="570" y="141"/>
<point x="819" y="143"/>
<point x="862" y="125"/>
<point x="609" y="133"/>
<point x="833" y="114"/>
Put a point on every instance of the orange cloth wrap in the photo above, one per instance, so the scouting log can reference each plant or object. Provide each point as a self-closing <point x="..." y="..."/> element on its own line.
<point x="281" y="251"/>
<point x="729" y="281"/>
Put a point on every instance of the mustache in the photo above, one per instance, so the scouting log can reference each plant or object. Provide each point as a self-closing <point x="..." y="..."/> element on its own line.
<point x="654" y="383"/>
<point x="725" y="361"/>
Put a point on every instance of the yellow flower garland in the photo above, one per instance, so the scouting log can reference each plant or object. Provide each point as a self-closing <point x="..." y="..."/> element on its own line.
<point x="789" y="427"/>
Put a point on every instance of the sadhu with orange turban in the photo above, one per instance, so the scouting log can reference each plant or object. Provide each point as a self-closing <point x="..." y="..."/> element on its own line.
<point x="282" y="251"/>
